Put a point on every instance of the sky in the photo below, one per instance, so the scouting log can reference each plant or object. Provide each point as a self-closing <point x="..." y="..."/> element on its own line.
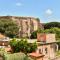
<point x="45" y="10"/>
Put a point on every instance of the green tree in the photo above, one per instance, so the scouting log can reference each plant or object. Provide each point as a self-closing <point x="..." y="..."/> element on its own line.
<point x="55" y="31"/>
<point x="51" y="25"/>
<point x="34" y="34"/>
<point x="8" y="28"/>
<point x="22" y="45"/>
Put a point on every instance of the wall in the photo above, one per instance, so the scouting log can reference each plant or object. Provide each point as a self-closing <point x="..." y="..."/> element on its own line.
<point x="47" y="50"/>
<point x="26" y="24"/>
<point x="48" y="38"/>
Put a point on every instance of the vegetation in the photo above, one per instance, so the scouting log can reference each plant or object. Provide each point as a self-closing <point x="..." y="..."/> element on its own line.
<point x="34" y="34"/>
<point x="58" y="53"/>
<point x="51" y="25"/>
<point x="13" y="56"/>
<point x="8" y="28"/>
<point x="54" y="30"/>
<point x="38" y="19"/>
<point x="22" y="46"/>
<point x="16" y="56"/>
<point x="2" y="51"/>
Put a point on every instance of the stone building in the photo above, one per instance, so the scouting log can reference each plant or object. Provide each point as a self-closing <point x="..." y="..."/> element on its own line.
<point x="47" y="45"/>
<point x="26" y="24"/>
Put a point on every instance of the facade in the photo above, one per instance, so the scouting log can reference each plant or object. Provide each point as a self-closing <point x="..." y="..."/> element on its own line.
<point x="3" y="40"/>
<point x="47" y="49"/>
<point x="26" y="24"/>
<point x="47" y="38"/>
<point x="46" y="45"/>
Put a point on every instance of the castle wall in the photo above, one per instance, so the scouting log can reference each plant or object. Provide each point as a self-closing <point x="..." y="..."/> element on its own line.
<point x="26" y="24"/>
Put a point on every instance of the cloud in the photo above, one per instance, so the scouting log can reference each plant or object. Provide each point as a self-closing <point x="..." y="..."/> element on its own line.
<point x="48" y="12"/>
<point x="18" y="4"/>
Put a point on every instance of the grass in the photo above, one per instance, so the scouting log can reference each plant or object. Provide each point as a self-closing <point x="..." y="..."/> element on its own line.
<point x="58" y="53"/>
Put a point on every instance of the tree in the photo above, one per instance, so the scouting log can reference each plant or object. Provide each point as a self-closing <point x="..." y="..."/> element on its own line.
<point x="34" y="34"/>
<point x="8" y="28"/>
<point x="54" y="30"/>
<point x="22" y="46"/>
<point x="51" y="25"/>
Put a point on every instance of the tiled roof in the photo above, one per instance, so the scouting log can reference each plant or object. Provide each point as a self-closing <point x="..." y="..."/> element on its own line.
<point x="35" y="54"/>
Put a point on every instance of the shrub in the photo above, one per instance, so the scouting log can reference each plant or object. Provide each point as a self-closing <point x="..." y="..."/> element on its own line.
<point x="2" y="51"/>
<point x="34" y="34"/>
<point x="54" y="30"/>
<point x="22" y="46"/>
<point x="9" y="28"/>
<point x="13" y="44"/>
<point x="16" y="56"/>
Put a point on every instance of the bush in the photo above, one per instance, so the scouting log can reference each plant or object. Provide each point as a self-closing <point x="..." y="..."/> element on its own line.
<point x="16" y="56"/>
<point x="34" y="34"/>
<point x="13" y="44"/>
<point x="9" y="28"/>
<point x="22" y="46"/>
<point x="2" y="51"/>
<point x="55" y="31"/>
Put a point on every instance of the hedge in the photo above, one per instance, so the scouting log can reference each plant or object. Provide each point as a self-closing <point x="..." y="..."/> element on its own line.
<point x="16" y="56"/>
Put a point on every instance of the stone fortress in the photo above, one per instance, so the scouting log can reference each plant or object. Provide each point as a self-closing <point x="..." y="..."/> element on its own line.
<point x="26" y="24"/>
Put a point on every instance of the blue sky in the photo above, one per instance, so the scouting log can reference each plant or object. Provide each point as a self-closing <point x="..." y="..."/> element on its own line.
<point x="46" y="10"/>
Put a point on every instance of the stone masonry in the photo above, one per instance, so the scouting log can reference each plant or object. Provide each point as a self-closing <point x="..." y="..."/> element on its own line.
<point x="26" y="24"/>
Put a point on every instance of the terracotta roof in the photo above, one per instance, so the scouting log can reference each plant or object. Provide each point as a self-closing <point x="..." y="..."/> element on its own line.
<point x="8" y="49"/>
<point x="34" y="54"/>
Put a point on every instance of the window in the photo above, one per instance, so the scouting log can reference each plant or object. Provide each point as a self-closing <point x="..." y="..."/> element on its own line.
<point x="40" y="51"/>
<point x="46" y="50"/>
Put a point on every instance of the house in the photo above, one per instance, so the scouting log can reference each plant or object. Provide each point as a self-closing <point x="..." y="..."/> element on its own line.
<point x="46" y="45"/>
<point x="3" y="40"/>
